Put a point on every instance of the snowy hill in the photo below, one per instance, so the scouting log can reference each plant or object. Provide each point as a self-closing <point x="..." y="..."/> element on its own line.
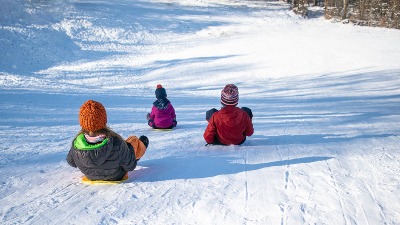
<point x="325" y="98"/>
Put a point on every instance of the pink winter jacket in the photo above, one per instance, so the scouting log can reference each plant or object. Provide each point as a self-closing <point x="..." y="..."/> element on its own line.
<point x="162" y="114"/>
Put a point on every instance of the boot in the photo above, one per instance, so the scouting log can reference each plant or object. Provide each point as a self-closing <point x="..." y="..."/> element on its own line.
<point x="145" y="140"/>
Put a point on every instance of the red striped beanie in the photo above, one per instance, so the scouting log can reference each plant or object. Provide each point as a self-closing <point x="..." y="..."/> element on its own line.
<point x="230" y="95"/>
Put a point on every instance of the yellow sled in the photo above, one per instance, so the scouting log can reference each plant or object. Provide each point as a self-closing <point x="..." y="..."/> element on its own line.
<point x="162" y="129"/>
<point x="85" y="180"/>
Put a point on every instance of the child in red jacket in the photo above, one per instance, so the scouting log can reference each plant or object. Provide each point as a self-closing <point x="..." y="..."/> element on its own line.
<point x="231" y="124"/>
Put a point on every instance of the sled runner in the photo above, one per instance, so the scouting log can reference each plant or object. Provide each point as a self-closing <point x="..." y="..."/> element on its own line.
<point x="85" y="180"/>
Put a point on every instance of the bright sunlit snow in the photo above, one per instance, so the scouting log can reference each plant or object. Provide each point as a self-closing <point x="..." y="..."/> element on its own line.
<point x="325" y="98"/>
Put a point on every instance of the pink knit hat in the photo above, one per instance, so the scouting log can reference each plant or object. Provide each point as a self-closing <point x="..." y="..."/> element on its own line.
<point x="230" y="95"/>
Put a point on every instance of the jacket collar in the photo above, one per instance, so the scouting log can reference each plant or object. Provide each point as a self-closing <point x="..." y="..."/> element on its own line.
<point x="81" y="143"/>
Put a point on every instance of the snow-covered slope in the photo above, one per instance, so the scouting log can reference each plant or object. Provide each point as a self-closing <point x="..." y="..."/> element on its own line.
<point x="325" y="98"/>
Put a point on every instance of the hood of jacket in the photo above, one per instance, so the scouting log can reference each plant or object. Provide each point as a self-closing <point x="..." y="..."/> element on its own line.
<point x="161" y="103"/>
<point x="93" y="155"/>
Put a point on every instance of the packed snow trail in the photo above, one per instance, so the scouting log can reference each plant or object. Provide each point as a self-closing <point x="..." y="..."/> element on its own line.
<point x="325" y="98"/>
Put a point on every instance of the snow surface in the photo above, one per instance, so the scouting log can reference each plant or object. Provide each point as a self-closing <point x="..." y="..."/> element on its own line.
<point x="325" y="98"/>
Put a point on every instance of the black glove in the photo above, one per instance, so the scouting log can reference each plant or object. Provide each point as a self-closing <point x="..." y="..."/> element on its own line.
<point x="210" y="112"/>
<point x="248" y="111"/>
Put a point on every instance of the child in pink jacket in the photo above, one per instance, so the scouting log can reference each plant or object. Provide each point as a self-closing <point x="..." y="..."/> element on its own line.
<point x="162" y="114"/>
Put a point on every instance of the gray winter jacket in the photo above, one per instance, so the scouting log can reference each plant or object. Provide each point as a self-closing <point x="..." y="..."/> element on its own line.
<point x="109" y="162"/>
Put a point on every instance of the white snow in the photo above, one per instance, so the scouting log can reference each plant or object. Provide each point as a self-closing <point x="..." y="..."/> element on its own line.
<point x="326" y="147"/>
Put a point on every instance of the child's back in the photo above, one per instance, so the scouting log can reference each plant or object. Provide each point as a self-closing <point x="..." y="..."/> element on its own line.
<point x="231" y="124"/>
<point x="162" y="112"/>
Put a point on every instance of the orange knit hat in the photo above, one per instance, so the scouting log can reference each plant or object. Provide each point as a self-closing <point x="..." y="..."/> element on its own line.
<point x="92" y="116"/>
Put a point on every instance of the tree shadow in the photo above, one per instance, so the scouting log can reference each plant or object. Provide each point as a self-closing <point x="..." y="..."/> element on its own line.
<point x="24" y="108"/>
<point x="263" y="140"/>
<point x="196" y="167"/>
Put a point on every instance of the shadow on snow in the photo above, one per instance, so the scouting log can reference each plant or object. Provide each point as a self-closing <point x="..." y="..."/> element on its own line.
<point x="174" y="168"/>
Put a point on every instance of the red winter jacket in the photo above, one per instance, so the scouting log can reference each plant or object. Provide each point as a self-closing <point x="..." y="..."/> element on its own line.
<point x="230" y="125"/>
